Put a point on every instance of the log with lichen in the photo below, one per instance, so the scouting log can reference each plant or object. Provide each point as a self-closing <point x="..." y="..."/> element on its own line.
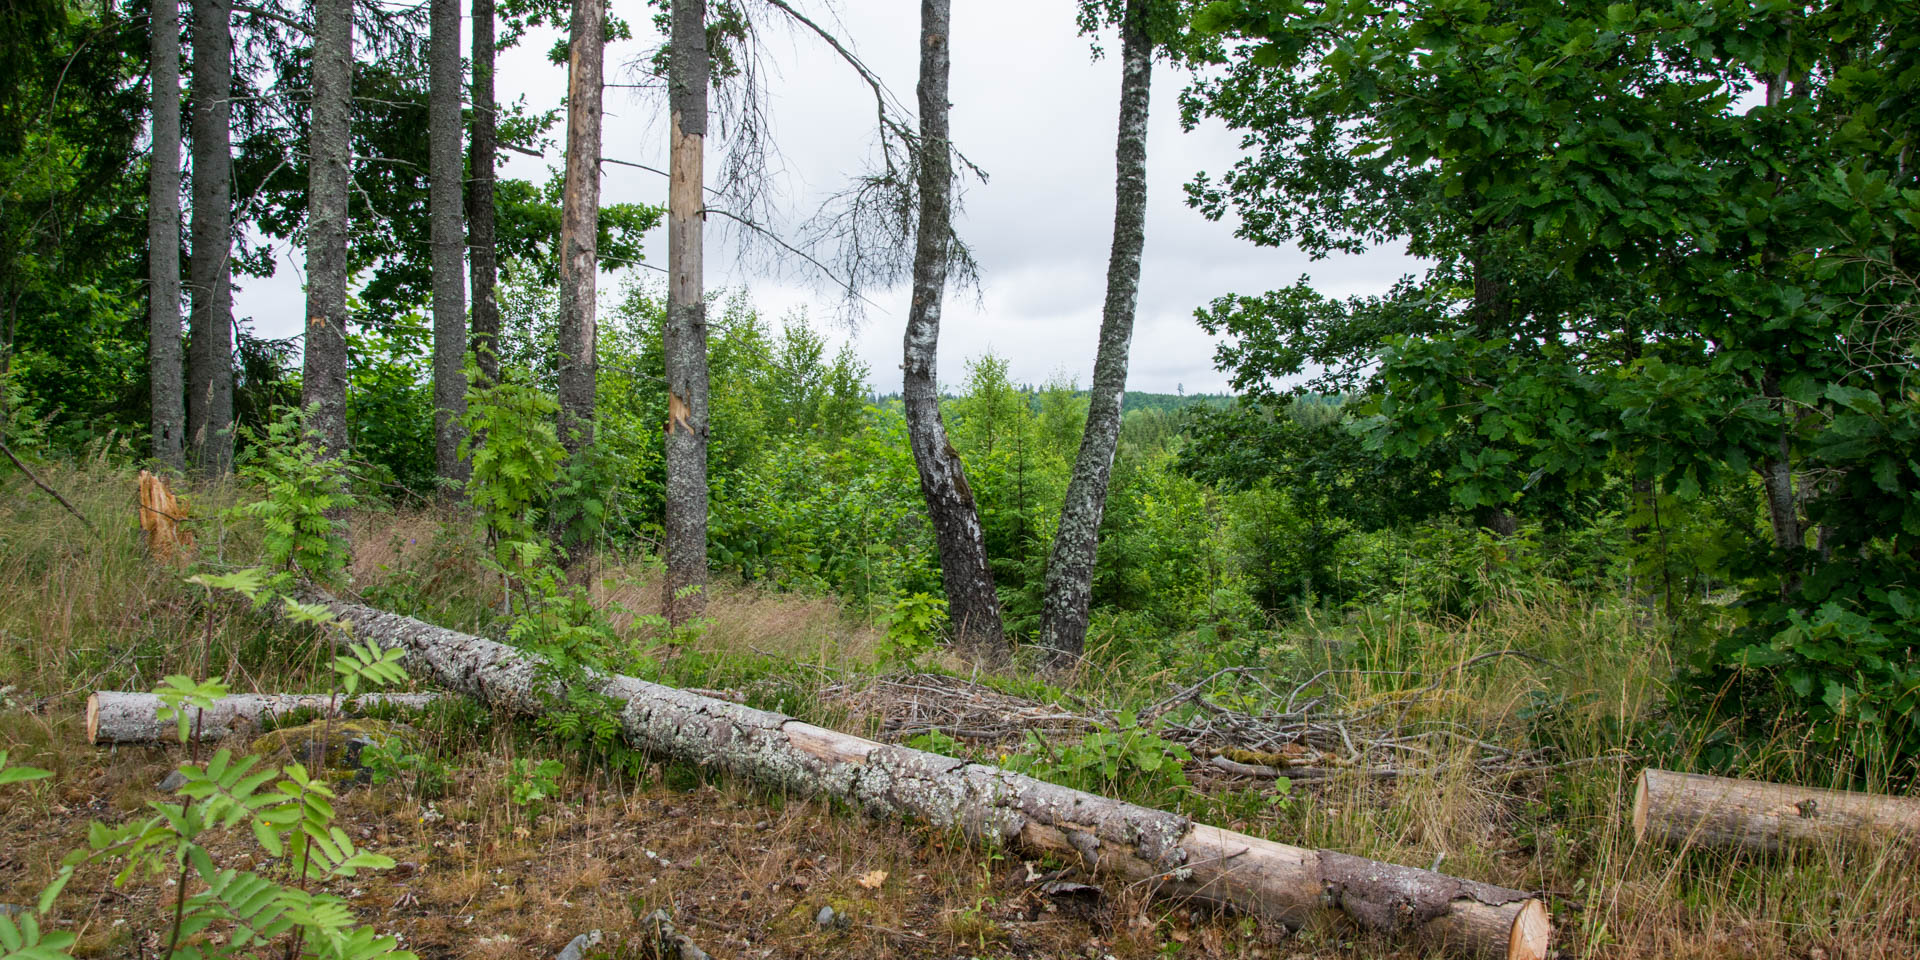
<point x="115" y="717"/>
<point x="1106" y="837"/>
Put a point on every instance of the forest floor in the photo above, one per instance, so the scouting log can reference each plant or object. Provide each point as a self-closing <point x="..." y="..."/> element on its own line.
<point x="1530" y="791"/>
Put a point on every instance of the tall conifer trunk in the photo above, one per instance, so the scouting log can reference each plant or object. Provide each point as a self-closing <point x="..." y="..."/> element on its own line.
<point x="485" y="321"/>
<point x="579" y="223"/>
<point x="324" y="377"/>
<point x="210" y="362"/>
<point x="447" y="173"/>
<point x="972" y="605"/>
<point x="168" y="393"/>
<point x="685" y="341"/>
<point x="1069" y="598"/>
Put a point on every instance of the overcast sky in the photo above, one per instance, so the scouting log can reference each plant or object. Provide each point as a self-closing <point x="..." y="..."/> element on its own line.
<point x="1033" y="109"/>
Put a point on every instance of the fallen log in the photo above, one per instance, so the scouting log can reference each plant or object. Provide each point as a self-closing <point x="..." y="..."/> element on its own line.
<point x="1106" y="837"/>
<point x="115" y="717"/>
<point x="1690" y="809"/>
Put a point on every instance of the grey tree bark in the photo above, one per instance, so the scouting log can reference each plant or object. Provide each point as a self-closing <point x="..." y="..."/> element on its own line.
<point x="210" y="277"/>
<point x="165" y="373"/>
<point x="115" y="717"/>
<point x="1107" y="838"/>
<point x="685" y="337"/>
<point x="323" y="389"/>
<point x="579" y="225"/>
<point x="481" y="235"/>
<point x="1069" y="596"/>
<point x="972" y="604"/>
<point x="446" y="174"/>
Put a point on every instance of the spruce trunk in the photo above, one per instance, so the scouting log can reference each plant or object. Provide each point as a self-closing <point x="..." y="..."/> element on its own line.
<point x="1069" y="597"/>
<point x="168" y="392"/>
<point x="1108" y="838"/>
<point x="482" y="150"/>
<point x="973" y="607"/>
<point x="323" y="389"/>
<point x="579" y="225"/>
<point x="210" y="360"/>
<point x="447" y="173"/>
<point x="684" y="341"/>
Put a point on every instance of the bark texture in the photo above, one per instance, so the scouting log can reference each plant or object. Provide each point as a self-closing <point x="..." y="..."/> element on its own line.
<point x="165" y="373"/>
<point x="1105" y="837"/>
<point x="579" y="224"/>
<point x="1687" y="809"/>
<point x="482" y="153"/>
<point x="447" y="173"/>
<point x="685" y="338"/>
<point x="114" y="717"/>
<point x="210" y="360"/>
<point x="323" y="384"/>
<point x="972" y="604"/>
<point x="1069" y="597"/>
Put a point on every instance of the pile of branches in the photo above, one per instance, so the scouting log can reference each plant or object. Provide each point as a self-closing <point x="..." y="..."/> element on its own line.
<point x="1237" y="722"/>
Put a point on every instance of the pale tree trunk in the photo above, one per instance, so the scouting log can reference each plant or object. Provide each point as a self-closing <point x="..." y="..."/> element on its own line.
<point x="1158" y="851"/>
<point x="1691" y="810"/>
<point x="972" y="604"/>
<point x="1069" y="598"/>
<point x="115" y="717"/>
<point x="168" y="393"/>
<point x="444" y="200"/>
<point x="1783" y="505"/>
<point x="485" y="322"/>
<point x="324" y="375"/>
<point x="685" y="338"/>
<point x="579" y="225"/>
<point x="210" y="363"/>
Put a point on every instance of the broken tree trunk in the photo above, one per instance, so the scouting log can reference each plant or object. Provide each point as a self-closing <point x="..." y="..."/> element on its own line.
<point x="1105" y="836"/>
<point x="1680" y="809"/>
<point x="114" y="717"/>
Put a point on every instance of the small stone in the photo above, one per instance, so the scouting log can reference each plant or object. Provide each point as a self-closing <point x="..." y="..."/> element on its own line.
<point x="174" y="781"/>
<point x="13" y="910"/>
<point x="578" y="946"/>
<point x="824" y="919"/>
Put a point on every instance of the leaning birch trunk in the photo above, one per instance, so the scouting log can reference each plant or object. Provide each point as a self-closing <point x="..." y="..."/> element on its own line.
<point x="114" y="717"/>
<point x="1688" y="809"/>
<point x="1104" y="836"/>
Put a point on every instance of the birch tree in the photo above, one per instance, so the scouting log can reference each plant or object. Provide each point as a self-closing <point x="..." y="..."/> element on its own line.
<point x="324" y="375"/>
<point x="1069" y="585"/>
<point x="163" y="244"/>
<point x="972" y="605"/>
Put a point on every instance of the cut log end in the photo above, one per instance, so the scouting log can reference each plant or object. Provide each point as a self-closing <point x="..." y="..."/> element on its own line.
<point x="93" y="719"/>
<point x="1640" y="807"/>
<point x="1532" y="929"/>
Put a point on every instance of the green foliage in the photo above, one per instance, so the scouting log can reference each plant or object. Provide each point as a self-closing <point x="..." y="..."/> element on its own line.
<point x="515" y="458"/>
<point x="914" y="625"/>
<point x="530" y="783"/>
<point x="1128" y="759"/>
<point x="305" y="499"/>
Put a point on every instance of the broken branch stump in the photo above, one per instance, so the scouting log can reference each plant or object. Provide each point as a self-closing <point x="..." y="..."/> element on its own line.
<point x="1682" y="809"/>
<point x="1107" y="837"/>
<point x="114" y="717"/>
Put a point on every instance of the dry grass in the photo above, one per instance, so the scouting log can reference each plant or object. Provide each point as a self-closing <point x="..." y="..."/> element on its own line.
<point x="748" y="871"/>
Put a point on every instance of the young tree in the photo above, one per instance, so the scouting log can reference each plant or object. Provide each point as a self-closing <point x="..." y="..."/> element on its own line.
<point x="1069" y="596"/>
<point x="447" y="172"/>
<point x="972" y="603"/>
<point x="579" y="215"/>
<point x="163" y="244"/>
<point x="323" y="381"/>
<point x="685" y="339"/>
<point x="483" y="259"/>
<point x="210" y="361"/>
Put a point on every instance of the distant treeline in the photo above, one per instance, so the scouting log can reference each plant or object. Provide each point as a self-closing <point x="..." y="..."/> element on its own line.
<point x="1135" y="399"/>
